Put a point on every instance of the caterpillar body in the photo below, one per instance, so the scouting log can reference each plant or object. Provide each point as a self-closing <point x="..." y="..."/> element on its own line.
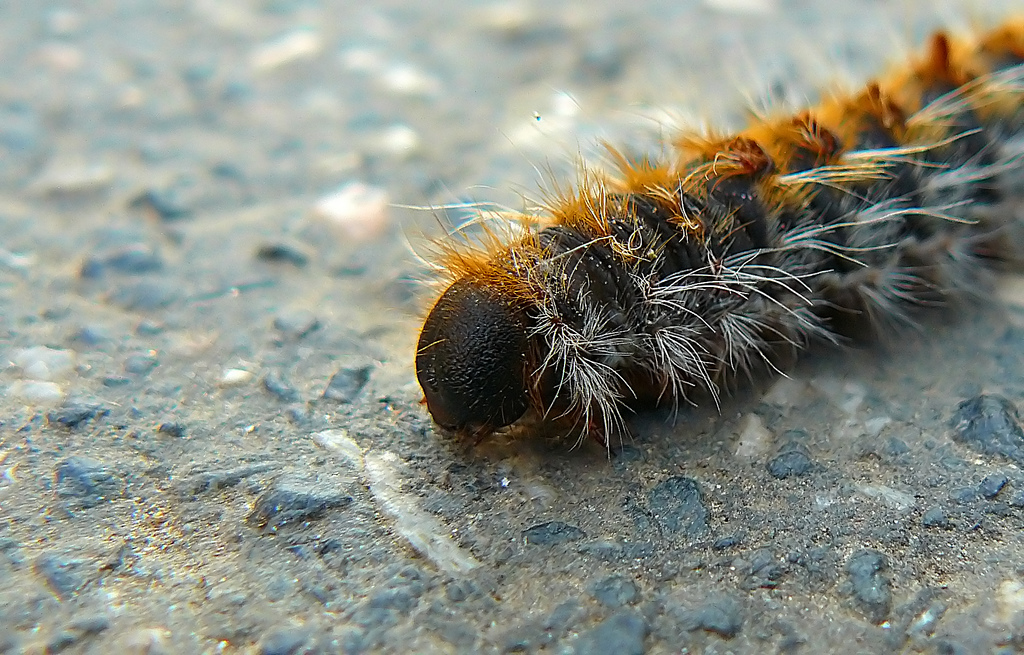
<point x="664" y="281"/>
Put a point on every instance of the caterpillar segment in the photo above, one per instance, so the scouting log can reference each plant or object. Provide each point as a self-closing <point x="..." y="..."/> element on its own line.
<point x="665" y="281"/>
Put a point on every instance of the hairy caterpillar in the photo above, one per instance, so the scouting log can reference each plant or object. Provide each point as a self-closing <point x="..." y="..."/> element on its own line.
<point x="659" y="281"/>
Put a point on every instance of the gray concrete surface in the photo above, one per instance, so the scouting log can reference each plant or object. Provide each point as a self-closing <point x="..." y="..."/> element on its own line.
<point x="211" y="438"/>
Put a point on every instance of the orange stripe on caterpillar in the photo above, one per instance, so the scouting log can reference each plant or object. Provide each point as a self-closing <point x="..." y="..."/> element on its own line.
<point x="664" y="280"/>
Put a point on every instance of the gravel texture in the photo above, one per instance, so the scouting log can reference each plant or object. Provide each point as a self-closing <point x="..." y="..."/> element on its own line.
<point x="211" y="437"/>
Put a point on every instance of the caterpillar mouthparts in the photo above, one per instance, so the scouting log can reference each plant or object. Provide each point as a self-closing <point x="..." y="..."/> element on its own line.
<point x="663" y="280"/>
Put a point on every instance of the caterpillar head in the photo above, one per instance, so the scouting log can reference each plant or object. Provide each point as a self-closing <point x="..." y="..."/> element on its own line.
<point x="471" y="360"/>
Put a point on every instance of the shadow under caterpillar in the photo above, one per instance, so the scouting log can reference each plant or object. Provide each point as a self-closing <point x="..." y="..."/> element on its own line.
<point x="658" y="281"/>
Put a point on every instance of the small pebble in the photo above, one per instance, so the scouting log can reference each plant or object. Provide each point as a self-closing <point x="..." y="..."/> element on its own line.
<point x="743" y="7"/>
<point x="935" y="518"/>
<point x="286" y="50"/>
<point x="282" y="252"/>
<point x="36" y="392"/>
<point x="43" y="363"/>
<point x="721" y="616"/>
<point x="622" y="633"/>
<point x="399" y="141"/>
<point x="78" y="630"/>
<point x="162" y="204"/>
<point x="296" y="324"/>
<point x="357" y="210"/>
<point x="144" y="296"/>
<point x="891" y="498"/>
<point x="346" y="384"/>
<point x="459" y="590"/>
<point x="552" y="533"/>
<point x="73" y="413"/>
<point x="895" y="447"/>
<point x="964" y="495"/>
<point x="235" y="377"/>
<point x="279" y="387"/>
<point x="149" y="328"/>
<point x="870" y="585"/>
<point x="64" y="576"/>
<point x="615" y="591"/>
<point x="407" y="80"/>
<point x="992" y="485"/>
<point x="293" y="500"/>
<point x="284" y="641"/>
<point x="754" y="437"/>
<point x="132" y="259"/>
<point x="172" y="429"/>
<point x="220" y="479"/>
<point x="792" y="461"/>
<point x="678" y="505"/>
<point x="140" y="363"/>
<point x="91" y="335"/>
<point x="1009" y="603"/>
<point x="990" y="425"/>
<point x="67" y="177"/>
<point x="86" y="481"/>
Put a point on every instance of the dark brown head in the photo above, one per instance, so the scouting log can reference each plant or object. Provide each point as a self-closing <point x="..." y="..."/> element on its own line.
<point x="471" y="360"/>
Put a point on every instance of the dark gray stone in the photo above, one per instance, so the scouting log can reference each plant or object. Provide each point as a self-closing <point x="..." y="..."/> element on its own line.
<point x="140" y="363"/>
<point x="149" y="328"/>
<point x="76" y="631"/>
<point x="86" y="482"/>
<point x="165" y="204"/>
<point x="964" y="495"/>
<point x="562" y="617"/>
<point x="73" y="413"/>
<point x="61" y="641"/>
<point x="615" y="591"/>
<point x="396" y="598"/>
<point x="457" y="591"/>
<point x="282" y="253"/>
<point x="91" y="335"/>
<point x="215" y="480"/>
<point x="295" y="325"/>
<point x="678" y="505"/>
<point x="935" y="518"/>
<point x="131" y="259"/>
<point x="346" y="384"/>
<point x="65" y="577"/>
<point x="172" y="429"/>
<point x="869" y="584"/>
<point x="992" y="485"/>
<point x="551" y="533"/>
<point x="721" y="616"/>
<point x="793" y="460"/>
<point x="621" y="633"/>
<point x="293" y="500"/>
<point x="277" y="386"/>
<point x="895" y="447"/>
<point x="991" y="425"/>
<point x="764" y="569"/>
<point x="285" y="641"/>
<point x="144" y="296"/>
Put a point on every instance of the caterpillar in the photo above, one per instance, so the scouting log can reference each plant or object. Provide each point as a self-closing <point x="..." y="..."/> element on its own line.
<point x="667" y="281"/>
